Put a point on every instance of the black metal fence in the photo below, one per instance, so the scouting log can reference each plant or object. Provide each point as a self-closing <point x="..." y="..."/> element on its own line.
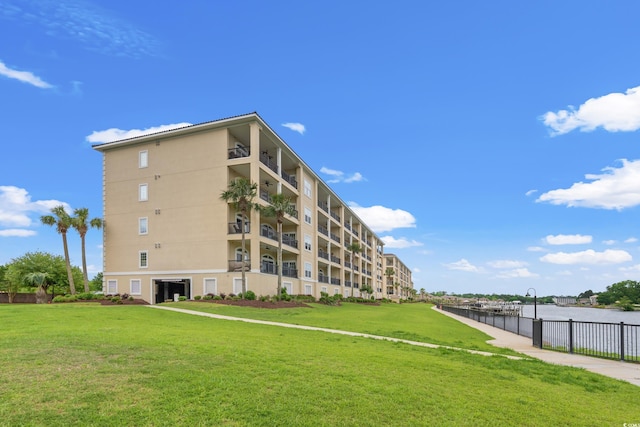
<point x="618" y="341"/>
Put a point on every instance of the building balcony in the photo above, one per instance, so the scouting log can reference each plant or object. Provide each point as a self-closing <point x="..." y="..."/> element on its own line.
<point x="335" y="237"/>
<point x="324" y="206"/>
<point x="290" y="179"/>
<point x="335" y="259"/>
<point x="335" y="281"/>
<point x="235" y="228"/>
<point x="323" y="279"/>
<point x="322" y="229"/>
<point x="323" y="254"/>
<point x="268" y="161"/>
<point x="335" y="216"/>
<point x="236" y="265"/>
<point x="238" y="152"/>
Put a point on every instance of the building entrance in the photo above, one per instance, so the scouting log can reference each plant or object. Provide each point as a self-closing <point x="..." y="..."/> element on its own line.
<point x="165" y="289"/>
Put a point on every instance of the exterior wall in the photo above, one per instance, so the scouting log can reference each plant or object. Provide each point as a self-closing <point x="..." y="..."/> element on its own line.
<point x="193" y="237"/>
<point x="400" y="283"/>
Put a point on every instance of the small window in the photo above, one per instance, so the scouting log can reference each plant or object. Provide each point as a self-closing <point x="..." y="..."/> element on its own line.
<point x="307" y="215"/>
<point x="210" y="286"/>
<point x="143" y="192"/>
<point x="307" y="242"/>
<point x="143" y="225"/>
<point x="307" y="269"/>
<point x="308" y="289"/>
<point x="323" y="289"/>
<point x="136" y="287"/>
<point x="289" y="287"/>
<point x="112" y="286"/>
<point x="237" y="285"/>
<point x="336" y="291"/>
<point x="307" y="188"/>
<point x="143" y="159"/>
<point x="143" y="258"/>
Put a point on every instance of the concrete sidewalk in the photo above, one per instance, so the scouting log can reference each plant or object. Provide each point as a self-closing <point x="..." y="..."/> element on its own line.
<point x="625" y="371"/>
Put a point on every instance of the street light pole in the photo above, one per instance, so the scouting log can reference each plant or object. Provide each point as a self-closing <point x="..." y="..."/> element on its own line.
<point x="535" y="302"/>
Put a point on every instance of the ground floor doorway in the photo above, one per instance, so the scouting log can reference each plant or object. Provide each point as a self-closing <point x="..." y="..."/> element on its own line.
<point x="167" y="289"/>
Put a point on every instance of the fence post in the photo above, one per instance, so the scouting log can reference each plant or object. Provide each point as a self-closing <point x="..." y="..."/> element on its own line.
<point x="622" y="341"/>
<point x="571" y="336"/>
<point x="537" y="332"/>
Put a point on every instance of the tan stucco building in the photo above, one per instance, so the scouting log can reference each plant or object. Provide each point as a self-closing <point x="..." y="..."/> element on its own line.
<point x="167" y="231"/>
<point x="399" y="284"/>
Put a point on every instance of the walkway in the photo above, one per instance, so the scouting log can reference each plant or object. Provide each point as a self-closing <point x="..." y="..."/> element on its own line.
<point x="625" y="371"/>
<point x="629" y="372"/>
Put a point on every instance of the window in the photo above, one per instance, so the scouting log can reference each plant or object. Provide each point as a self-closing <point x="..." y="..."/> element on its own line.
<point x="308" y="289"/>
<point x="323" y="289"/>
<point x="289" y="287"/>
<point x="307" y="215"/>
<point x="307" y="269"/>
<point x="136" y="287"/>
<point x="336" y="291"/>
<point x="112" y="286"/>
<point x="143" y="159"/>
<point x="143" y="259"/>
<point x="142" y="225"/>
<point x="307" y="188"/>
<point x="307" y="242"/>
<point x="210" y="286"/>
<point x="143" y="193"/>
<point x="237" y="285"/>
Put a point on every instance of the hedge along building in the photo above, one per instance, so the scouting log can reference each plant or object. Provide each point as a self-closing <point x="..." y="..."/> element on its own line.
<point x="167" y="231"/>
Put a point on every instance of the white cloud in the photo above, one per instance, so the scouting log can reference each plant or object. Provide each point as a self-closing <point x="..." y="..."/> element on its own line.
<point x="609" y="242"/>
<point x="416" y="270"/>
<point x="339" y="176"/>
<point x="23" y="76"/>
<point x="17" y="232"/>
<point x="462" y="265"/>
<point x="516" y="273"/>
<point x="530" y="192"/>
<point x="382" y="219"/>
<point x="16" y="207"/>
<point x="568" y="239"/>
<point x="536" y="249"/>
<point x="296" y="127"/>
<point x="631" y="240"/>
<point x="609" y="256"/>
<point x="616" y="188"/>
<point x="115" y="134"/>
<point x="401" y="243"/>
<point x="613" y="112"/>
<point x="506" y="264"/>
<point x="632" y="269"/>
<point x="564" y="273"/>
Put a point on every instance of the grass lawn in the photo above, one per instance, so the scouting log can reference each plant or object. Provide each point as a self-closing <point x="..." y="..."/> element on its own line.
<point x="415" y="322"/>
<point x="84" y="364"/>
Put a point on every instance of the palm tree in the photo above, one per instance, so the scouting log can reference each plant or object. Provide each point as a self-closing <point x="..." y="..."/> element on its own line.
<point x="240" y="193"/>
<point x="63" y="221"/>
<point x="81" y="226"/>
<point x="389" y="272"/>
<point x="280" y="205"/>
<point x="40" y="280"/>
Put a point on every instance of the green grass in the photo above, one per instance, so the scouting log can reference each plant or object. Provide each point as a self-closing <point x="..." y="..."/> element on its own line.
<point x="136" y="366"/>
<point x="415" y="322"/>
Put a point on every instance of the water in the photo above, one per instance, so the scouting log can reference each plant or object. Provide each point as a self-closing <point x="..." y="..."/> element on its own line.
<point x="583" y="314"/>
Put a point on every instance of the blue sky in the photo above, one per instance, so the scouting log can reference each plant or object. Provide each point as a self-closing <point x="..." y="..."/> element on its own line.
<point x="492" y="145"/>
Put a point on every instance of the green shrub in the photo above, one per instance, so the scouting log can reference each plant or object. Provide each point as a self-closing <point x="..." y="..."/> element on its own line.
<point x="209" y="297"/>
<point x="59" y="298"/>
<point x="116" y="299"/>
<point x="250" y="295"/>
<point x="85" y="296"/>
<point x="217" y="298"/>
<point x="182" y="298"/>
<point x="198" y="297"/>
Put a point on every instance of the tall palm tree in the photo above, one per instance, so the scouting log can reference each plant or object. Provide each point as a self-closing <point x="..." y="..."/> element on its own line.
<point x="40" y="280"/>
<point x="240" y="193"/>
<point x="389" y="272"/>
<point x="79" y="222"/>
<point x="280" y="205"/>
<point x="63" y="221"/>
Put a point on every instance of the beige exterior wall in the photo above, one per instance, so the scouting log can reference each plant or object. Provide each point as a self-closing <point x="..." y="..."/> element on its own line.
<point x="192" y="238"/>
<point x="399" y="284"/>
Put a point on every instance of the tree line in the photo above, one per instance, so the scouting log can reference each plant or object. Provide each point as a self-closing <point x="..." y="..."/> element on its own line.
<point x="42" y="270"/>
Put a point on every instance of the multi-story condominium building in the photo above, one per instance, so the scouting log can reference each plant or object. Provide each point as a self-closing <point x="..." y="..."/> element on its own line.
<point x="168" y="232"/>
<point x="399" y="284"/>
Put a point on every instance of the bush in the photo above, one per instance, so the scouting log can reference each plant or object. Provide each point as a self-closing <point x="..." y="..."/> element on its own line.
<point x="329" y="300"/>
<point x="217" y="298"/>
<point x="182" y="298"/>
<point x="197" y="297"/>
<point x="222" y="295"/>
<point x="85" y="296"/>
<point x="116" y="299"/>
<point x="209" y="297"/>
<point x="250" y="295"/>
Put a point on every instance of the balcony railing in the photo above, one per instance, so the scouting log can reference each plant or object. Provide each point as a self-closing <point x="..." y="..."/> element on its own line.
<point x="335" y="237"/>
<point x="335" y="281"/>
<point x="347" y="283"/>
<point x="323" y="279"/>
<point x="347" y="226"/>
<point x="271" y="268"/>
<point x="323" y="230"/>
<point x="235" y="228"/>
<point x="335" y="216"/>
<point x="290" y="179"/>
<point x="289" y="241"/>
<point x="235" y="265"/>
<point x="268" y="162"/>
<point x="347" y="264"/>
<point x="323" y="254"/>
<point x="238" y="152"/>
<point x="335" y="259"/>
<point x="264" y="195"/>
<point x="324" y="206"/>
